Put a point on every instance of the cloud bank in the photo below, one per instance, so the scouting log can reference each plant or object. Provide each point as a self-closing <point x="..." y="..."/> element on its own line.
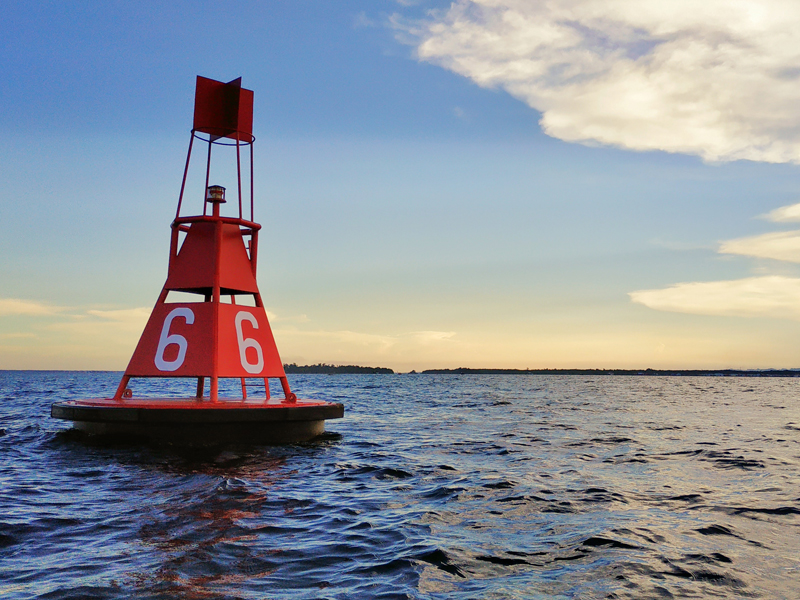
<point x="30" y="308"/>
<point x="773" y="296"/>
<point x="784" y="214"/>
<point x="770" y="296"/>
<point x="121" y="325"/>
<point x="781" y="245"/>
<point x="718" y="79"/>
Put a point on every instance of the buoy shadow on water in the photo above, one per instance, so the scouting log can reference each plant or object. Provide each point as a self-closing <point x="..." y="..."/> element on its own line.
<point x="209" y="322"/>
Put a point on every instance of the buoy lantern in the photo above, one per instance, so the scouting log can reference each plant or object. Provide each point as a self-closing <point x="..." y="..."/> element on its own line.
<point x="224" y="332"/>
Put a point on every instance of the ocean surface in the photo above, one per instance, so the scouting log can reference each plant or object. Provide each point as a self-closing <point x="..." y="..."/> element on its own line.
<point x="432" y="486"/>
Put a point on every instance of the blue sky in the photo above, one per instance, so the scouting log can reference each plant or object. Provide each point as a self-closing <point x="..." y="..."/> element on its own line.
<point x="475" y="184"/>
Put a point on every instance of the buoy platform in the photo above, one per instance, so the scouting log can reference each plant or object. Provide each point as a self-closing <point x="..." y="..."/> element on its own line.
<point x="209" y="322"/>
<point x="188" y="420"/>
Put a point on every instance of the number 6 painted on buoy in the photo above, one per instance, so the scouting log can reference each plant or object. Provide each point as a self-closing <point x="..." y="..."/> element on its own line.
<point x="168" y="338"/>
<point x="245" y="343"/>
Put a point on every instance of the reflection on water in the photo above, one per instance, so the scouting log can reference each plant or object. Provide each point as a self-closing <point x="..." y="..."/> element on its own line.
<point x="431" y="487"/>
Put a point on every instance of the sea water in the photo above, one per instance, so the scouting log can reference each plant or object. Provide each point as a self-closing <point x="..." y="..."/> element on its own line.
<point x="432" y="486"/>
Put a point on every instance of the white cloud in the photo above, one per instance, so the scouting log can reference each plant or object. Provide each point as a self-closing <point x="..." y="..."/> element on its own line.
<point x="375" y="340"/>
<point x="119" y="324"/>
<point x="717" y="78"/>
<point x="346" y="346"/>
<point x="781" y="245"/>
<point x="772" y="296"/>
<point x="301" y="318"/>
<point x="362" y="20"/>
<point x="431" y="337"/>
<point x="32" y="308"/>
<point x="138" y="315"/>
<point x="348" y="338"/>
<point x="784" y="214"/>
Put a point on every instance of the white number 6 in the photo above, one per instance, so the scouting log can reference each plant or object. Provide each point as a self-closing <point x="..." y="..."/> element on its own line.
<point x="167" y="339"/>
<point x="244" y="344"/>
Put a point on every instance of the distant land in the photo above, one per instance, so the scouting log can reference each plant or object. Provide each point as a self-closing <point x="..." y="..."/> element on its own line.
<point x="652" y="372"/>
<point x="325" y="369"/>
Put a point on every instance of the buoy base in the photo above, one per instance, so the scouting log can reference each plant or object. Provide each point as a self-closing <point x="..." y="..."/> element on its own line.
<point x="291" y="432"/>
<point x="193" y="421"/>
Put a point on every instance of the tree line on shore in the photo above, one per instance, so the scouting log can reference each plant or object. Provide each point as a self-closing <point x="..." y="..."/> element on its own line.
<point x="645" y="372"/>
<point x="326" y="369"/>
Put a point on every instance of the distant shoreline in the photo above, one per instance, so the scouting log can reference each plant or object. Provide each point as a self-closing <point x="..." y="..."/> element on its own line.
<point x="326" y="369"/>
<point x="629" y="372"/>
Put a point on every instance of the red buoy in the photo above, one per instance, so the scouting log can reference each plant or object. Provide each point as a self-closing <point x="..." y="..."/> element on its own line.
<point x="213" y="258"/>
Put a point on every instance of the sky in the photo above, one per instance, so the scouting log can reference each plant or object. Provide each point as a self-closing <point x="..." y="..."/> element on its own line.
<point x="488" y="183"/>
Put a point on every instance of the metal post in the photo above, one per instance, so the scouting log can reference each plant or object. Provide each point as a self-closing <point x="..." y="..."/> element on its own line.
<point x="288" y="396"/>
<point x="208" y="173"/>
<point x="185" y="173"/>
<point x="123" y="385"/>
<point x="239" y="174"/>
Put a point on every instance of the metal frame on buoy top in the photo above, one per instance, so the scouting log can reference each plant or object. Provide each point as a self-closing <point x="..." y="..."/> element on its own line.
<point x="211" y="257"/>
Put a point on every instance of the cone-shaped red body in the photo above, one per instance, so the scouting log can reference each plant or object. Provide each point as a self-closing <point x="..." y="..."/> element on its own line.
<point x="209" y="338"/>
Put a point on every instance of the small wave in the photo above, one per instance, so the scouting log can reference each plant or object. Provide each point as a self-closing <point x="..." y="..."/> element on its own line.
<point x="499" y="485"/>
<point x="715" y="530"/>
<point x="501" y="560"/>
<point x="780" y="510"/>
<point x="439" y="559"/>
<point x="596" y="541"/>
